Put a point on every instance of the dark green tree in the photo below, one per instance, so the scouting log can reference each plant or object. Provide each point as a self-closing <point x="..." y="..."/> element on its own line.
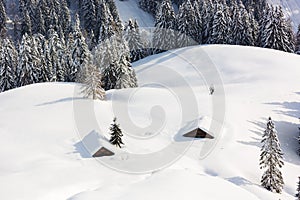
<point x="116" y="134"/>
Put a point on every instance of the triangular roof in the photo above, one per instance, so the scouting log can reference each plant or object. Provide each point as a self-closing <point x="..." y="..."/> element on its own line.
<point x="103" y="152"/>
<point x="198" y="133"/>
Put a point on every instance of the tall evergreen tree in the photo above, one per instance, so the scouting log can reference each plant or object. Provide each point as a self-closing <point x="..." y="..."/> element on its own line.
<point x="164" y="35"/>
<point x="188" y="25"/>
<point x="297" y="48"/>
<point x="88" y="14"/>
<point x="220" y="27"/>
<point x="106" y="28"/>
<point x="26" y="26"/>
<point x="116" y="134"/>
<point x="3" y="18"/>
<point x="271" y="158"/>
<point x="8" y="64"/>
<point x="133" y="38"/>
<point x="274" y="31"/>
<point x="80" y="53"/>
<point x="93" y="83"/>
<point x="28" y="62"/>
<point x="56" y="52"/>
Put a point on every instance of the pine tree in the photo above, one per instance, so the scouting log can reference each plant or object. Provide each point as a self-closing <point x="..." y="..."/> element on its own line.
<point x="298" y="190"/>
<point x="298" y="41"/>
<point x="164" y="35"/>
<point x="56" y="53"/>
<point x="117" y="23"/>
<point x="93" y="83"/>
<point x="133" y="38"/>
<point x="88" y="14"/>
<point x="80" y="53"/>
<point x="8" y="64"/>
<point x="106" y="28"/>
<point x="26" y="24"/>
<point x="3" y="18"/>
<point x="220" y="27"/>
<point x="45" y="67"/>
<point x="116" y="134"/>
<point x="271" y="158"/>
<point x="188" y="25"/>
<point x="207" y="13"/>
<point x="27" y="70"/>
<point x="275" y="33"/>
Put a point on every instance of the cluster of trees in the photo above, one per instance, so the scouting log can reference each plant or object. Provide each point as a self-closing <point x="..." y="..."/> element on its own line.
<point x="47" y="45"/>
<point x="235" y="22"/>
<point x="271" y="158"/>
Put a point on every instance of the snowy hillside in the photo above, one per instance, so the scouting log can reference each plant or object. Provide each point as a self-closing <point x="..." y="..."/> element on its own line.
<point x="42" y="156"/>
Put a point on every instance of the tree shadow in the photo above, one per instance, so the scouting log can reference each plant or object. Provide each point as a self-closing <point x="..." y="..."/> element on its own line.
<point x="240" y="181"/>
<point x="258" y="133"/>
<point x="291" y="109"/>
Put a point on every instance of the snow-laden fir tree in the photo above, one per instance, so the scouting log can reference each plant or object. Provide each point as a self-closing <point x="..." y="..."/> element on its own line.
<point x="113" y="58"/>
<point x="106" y="28"/>
<point x="275" y="33"/>
<point x="26" y="26"/>
<point x="188" y="25"/>
<point x="3" y="18"/>
<point x="207" y="13"/>
<point x="271" y="159"/>
<point x="242" y="33"/>
<point x="298" y="190"/>
<point x="88" y="11"/>
<point x="8" y="62"/>
<point x="93" y="83"/>
<point x="133" y="38"/>
<point x="164" y="37"/>
<point x="117" y="23"/>
<point x="45" y="67"/>
<point x="116" y="134"/>
<point x="56" y="51"/>
<point x="297" y="49"/>
<point x="28" y="62"/>
<point x="220" y="27"/>
<point x="79" y="51"/>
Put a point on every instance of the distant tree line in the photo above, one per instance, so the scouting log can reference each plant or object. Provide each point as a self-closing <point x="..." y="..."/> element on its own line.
<point x="46" y="44"/>
<point x="234" y="22"/>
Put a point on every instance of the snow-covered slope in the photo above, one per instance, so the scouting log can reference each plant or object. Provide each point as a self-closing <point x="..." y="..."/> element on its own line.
<point x="42" y="156"/>
<point x="130" y="9"/>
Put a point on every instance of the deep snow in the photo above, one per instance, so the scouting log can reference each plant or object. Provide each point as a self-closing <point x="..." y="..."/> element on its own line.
<point x="42" y="156"/>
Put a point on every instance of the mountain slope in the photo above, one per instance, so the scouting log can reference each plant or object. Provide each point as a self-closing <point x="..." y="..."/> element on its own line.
<point x="42" y="156"/>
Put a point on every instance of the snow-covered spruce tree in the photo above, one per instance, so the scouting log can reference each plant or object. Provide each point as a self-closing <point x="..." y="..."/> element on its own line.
<point x="65" y="18"/>
<point x="164" y="36"/>
<point x="275" y="32"/>
<point x="188" y="25"/>
<point x="88" y="14"/>
<point x="133" y="38"/>
<point x="117" y="23"/>
<point x="28" y="62"/>
<point x="113" y="58"/>
<point x="207" y="13"/>
<point x="26" y="23"/>
<point x="220" y="27"/>
<point x="242" y="33"/>
<point x="271" y="159"/>
<point x="8" y="64"/>
<point x="39" y="23"/>
<point x="3" y="18"/>
<point x="80" y="54"/>
<point x="106" y="28"/>
<point x="150" y="6"/>
<point x="116" y="134"/>
<point x="56" y="52"/>
<point x="297" y="49"/>
<point x="298" y="190"/>
<point x="45" y="67"/>
<point x="93" y="83"/>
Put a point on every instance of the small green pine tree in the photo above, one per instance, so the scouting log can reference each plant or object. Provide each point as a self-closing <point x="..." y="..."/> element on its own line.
<point x="116" y="134"/>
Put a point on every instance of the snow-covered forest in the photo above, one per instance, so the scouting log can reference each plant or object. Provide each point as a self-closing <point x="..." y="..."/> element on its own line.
<point x="62" y="41"/>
